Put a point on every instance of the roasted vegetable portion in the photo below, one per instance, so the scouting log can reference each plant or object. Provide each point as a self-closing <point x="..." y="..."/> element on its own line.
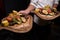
<point x="5" y="23"/>
<point x="46" y="10"/>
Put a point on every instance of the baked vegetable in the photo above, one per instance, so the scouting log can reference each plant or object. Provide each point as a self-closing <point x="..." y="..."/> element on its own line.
<point x="14" y="18"/>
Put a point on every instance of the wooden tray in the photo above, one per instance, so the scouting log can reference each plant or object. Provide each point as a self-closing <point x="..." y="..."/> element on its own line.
<point x="22" y="28"/>
<point x="45" y="17"/>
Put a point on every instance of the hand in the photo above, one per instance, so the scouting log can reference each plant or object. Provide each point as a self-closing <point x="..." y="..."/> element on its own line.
<point x="24" y="12"/>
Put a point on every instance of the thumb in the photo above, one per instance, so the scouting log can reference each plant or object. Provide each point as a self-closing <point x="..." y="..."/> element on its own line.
<point x="21" y="12"/>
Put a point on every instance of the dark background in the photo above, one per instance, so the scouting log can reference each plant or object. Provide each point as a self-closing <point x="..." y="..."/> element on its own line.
<point x="15" y="5"/>
<point x="6" y="6"/>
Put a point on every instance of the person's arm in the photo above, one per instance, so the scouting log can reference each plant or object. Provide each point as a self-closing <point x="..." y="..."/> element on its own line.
<point x="31" y="6"/>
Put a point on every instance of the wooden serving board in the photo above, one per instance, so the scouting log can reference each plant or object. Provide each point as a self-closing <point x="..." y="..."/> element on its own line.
<point x="22" y="28"/>
<point x="45" y="17"/>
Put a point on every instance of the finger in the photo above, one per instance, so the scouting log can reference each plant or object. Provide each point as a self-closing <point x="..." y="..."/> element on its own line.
<point x="20" y="12"/>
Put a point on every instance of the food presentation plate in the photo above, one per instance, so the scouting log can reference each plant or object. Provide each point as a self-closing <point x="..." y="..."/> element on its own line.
<point x="22" y="28"/>
<point x="47" y="17"/>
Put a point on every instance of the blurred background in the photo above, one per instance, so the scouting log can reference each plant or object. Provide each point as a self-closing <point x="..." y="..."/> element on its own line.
<point x="6" y="6"/>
